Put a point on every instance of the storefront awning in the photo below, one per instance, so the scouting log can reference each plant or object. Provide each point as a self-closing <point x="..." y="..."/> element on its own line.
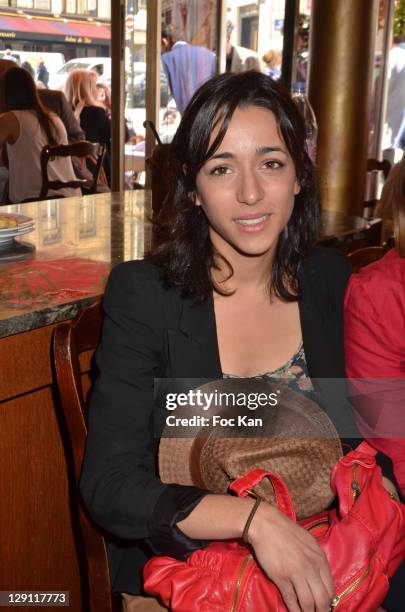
<point x="13" y="27"/>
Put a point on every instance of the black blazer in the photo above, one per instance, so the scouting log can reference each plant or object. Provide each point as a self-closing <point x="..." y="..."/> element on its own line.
<point x="56" y="101"/>
<point x="96" y="125"/>
<point x="152" y="332"/>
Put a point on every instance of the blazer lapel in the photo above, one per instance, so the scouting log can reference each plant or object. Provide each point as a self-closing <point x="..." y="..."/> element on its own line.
<point x="312" y="335"/>
<point x="193" y="347"/>
<point x="320" y="334"/>
<point x="193" y="344"/>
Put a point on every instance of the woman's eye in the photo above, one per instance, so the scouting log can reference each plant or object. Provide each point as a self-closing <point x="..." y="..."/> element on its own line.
<point x="273" y="164"/>
<point x="219" y="171"/>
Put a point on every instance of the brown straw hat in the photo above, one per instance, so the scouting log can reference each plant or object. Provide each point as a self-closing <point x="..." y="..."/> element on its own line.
<point x="294" y="438"/>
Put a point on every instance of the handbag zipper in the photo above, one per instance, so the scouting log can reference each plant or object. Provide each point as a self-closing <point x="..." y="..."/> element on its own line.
<point x="242" y="571"/>
<point x="355" y="484"/>
<point x="335" y="601"/>
<point x="349" y="589"/>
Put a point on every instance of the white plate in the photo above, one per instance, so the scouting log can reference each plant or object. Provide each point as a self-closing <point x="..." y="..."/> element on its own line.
<point x="9" y="239"/>
<point x="22" y="221"/>
<point x="16" y="231"/>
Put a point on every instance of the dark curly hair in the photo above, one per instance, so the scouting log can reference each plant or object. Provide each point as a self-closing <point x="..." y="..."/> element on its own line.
<point x="184" y="252"/>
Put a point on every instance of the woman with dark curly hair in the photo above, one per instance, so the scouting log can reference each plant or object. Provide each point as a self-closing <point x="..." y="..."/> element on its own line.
<point x="237" y="288"/>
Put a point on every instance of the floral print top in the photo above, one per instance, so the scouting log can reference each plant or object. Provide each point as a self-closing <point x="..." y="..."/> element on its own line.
<point x="294" y="373"/>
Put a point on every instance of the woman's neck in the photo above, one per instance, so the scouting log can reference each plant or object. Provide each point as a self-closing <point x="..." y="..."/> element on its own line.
<point x="249" y="272"/>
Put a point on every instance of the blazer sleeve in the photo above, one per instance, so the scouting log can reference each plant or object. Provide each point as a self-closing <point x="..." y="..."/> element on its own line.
<point x="375" y="350"/>
<point x="119" y="483"/>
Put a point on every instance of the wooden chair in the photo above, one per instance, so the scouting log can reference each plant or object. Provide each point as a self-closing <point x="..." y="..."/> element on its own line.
<point x="162" y="177"/>
<point x="82" y="148"/>
<point x="362" y="257"/>
<point x="71" y="341"/>
<point x="162" y="182"/>
<point x="374" y="166"/>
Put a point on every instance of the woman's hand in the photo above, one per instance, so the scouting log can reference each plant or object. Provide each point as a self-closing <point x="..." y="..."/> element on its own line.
<point x="78" y="109"/>
<point x="390" y="488"/>
<point x="293" y="560"/>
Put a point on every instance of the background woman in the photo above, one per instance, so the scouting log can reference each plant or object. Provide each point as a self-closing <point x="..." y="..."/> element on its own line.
<point x="81" y="92"/>
<point x="237" y="288"/>
<point x="26" y="127"/>
<point x="272" y="61"/>
<point x="104" y="97"/>
<point x="375" y="328"/>
<point x="375" y="347"/>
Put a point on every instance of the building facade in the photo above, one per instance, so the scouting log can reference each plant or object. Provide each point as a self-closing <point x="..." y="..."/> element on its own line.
<point x="76" y="28"/>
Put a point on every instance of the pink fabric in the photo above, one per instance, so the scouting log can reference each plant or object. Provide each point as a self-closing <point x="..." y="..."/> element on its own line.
<point x="375" y="349"/>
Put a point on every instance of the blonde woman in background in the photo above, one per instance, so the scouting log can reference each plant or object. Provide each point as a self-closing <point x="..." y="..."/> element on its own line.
<point x="81" y="92"/>
<point x="272" y="60"/>
<point x="104" y="96"/>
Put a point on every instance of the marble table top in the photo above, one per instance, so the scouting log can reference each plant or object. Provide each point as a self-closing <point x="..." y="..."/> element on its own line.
<point x="48" y="275"/>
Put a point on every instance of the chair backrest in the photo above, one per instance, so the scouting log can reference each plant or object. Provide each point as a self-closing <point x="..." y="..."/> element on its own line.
<point x="374" y="167"/>
<point x="72" y="339"/>
<point x="81" y="148"/>
<point x="162" y="183"/>
<point x="362" y="257"/>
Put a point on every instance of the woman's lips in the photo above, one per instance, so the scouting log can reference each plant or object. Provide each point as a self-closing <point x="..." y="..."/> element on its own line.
<point x="253" y="224"/>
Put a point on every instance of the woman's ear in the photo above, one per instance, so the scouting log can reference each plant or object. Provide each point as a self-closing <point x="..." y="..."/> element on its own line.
<point x="297" y="187"/>
<point x="196" y="199"/>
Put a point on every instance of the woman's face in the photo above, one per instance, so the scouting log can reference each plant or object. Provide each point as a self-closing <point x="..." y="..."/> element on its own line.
<point x="247" y="188"/>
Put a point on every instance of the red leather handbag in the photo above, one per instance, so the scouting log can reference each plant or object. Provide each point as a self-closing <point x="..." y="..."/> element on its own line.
<point x="364" y="542"/>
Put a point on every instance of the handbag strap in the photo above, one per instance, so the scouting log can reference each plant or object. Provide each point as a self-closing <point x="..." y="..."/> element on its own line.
<point x="363" y="454"/>
<point x="244" y="485"/>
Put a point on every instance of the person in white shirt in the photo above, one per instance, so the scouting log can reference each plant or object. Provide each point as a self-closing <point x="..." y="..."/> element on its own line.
<point x="26" y="127"/>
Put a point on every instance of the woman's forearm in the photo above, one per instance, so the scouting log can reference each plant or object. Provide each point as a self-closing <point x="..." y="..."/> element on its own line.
<point x="286" y="552"/>
<point x="217" y="517"/>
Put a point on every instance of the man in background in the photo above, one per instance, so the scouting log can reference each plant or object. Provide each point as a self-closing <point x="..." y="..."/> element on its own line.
<point x="42" y="74"/>
<point x="8" y="55"/>
<point x="187" y="67"/>
<point x="239" y="59"/>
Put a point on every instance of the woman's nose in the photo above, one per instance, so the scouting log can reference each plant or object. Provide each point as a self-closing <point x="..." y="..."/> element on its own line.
<point x="250" y="190"/>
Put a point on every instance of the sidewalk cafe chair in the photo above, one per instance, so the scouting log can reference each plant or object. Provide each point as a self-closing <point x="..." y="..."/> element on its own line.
<point x="81" y="148"/>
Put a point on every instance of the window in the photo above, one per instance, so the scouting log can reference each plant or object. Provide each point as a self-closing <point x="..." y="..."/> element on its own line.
<point x="23" y="3"/>
<point x="90" y="8"/>
<point x="70" y="6"/>
<point x="87" y="7"/>
<point x="104" y="9"/>
<point x="42" y="5"/>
